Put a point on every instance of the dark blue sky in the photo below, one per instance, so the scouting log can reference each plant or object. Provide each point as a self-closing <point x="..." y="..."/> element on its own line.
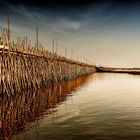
<point x="105" y="31"/>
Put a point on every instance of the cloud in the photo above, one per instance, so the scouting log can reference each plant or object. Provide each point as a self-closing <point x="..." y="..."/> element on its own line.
<point x="52" y="21"/>
<point x="64" y="20"/>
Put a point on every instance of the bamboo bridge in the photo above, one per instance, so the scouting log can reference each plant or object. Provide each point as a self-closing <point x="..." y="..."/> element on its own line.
<point x="25" y="66"/>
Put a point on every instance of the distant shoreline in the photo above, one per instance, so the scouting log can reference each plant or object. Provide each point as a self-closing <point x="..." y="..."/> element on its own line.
<point x="119" y="70"/>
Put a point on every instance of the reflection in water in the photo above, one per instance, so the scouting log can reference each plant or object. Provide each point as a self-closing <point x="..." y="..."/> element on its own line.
<point x="19" y="110"/>
<point x="107" y="107"/>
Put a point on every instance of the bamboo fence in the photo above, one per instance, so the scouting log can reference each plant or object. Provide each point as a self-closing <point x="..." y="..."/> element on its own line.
<point x="25" y="66"/>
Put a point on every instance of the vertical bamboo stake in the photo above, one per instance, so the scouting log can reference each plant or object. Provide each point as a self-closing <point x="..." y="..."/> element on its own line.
<point x="72" y="54"/>
<point x="8" y="24"/>
<point x="26" y="41"/>
<point x="65" y="52"/>
<point x="57" y="45"/>
<point x="77" y="57"/>
<point x="81" y="58"/>
<point x="37" y="38"/>
<point x="53" y="46"/>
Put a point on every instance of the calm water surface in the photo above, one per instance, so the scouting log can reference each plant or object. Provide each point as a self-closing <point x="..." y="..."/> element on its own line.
<point x="106" y="107"/>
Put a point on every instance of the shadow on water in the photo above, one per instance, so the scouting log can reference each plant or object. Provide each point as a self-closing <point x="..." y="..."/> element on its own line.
<point x="19" y="111"/>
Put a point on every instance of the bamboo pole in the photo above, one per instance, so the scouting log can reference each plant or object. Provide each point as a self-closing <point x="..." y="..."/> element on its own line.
<point x="37" y="42"/>
<point x="72" y="54"/>
<point x="53" y="46"/>
<point x="57" y="45"/>
<point x="8" y="27"/>
<point x="65" y="52"/>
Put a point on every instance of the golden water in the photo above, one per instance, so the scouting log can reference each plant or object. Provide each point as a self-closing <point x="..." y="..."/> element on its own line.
<point x="103" y="106"/>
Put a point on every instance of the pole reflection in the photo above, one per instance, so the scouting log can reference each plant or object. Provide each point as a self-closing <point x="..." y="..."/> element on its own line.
<point x="21" y="109"/>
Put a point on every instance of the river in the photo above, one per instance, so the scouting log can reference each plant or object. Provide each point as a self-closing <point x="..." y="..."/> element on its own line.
<point x="104" y="106"/>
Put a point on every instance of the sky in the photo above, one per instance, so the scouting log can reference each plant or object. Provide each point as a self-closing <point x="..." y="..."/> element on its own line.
<point x="106" y="32"/>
